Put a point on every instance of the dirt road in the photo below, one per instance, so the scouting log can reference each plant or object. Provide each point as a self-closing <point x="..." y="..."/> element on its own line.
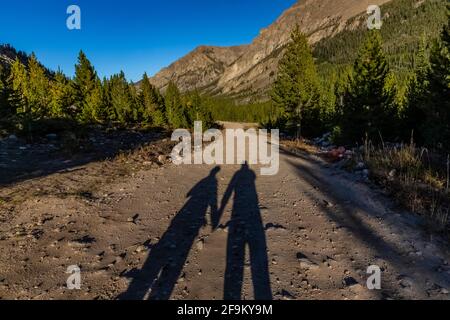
<point x="309" y="232"/>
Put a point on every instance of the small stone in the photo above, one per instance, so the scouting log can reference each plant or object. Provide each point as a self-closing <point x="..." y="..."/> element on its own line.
<point x="286" y="295"/>
<point x="118" y="259"/>
<point x="406" y="282"/>
<point x="133" y="218"/>
<point x="12" y="137"/>
<point x="360" y="166"/>
<point x="328" y="204"/>
<point x="162" y="158"/>
<point x="140" y="249"/>
<point x="305" y="263"/>
<point x="200" y="245"/>
<point x="349" y="282"/>
<point x="308" y="264"/>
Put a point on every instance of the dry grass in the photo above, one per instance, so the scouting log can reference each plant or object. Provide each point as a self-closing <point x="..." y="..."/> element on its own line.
<point x="298" y="144"/>
<point x="415" y="177"/>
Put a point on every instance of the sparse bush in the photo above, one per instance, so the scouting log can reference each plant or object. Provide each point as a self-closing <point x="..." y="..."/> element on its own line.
<point x="416" y="178"/>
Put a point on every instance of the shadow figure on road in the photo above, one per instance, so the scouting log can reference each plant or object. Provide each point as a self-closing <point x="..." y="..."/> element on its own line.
<point x="157" y="278"/>
<point x="245" y="228"/>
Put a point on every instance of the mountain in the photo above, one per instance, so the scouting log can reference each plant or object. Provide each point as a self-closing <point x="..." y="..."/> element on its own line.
<point x="9" y="54"/>
<point x="251" y="69"/>
<point x="200" y="68"/>
<point x="336" y="29"/>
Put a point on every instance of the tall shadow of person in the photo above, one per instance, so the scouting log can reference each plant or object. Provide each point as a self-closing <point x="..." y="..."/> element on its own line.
<point x="245" y="228"/>
<point x="166" y="260"/>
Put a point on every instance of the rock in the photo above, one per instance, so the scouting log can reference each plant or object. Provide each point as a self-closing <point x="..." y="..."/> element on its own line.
<point x="305" y="263"/>
<point x="348" y="153"/>
<point x="392" y="173"/>
<point x="182" y="278"/>
<point x="141" y="249"/>
<point x="52" y="136"/>
<point x="365" y="172"/>
<point x="200" y="244"/>
<point x="360" y="166"/>
<point x="349" y="282"/>
<point x="286" y="295"/>
<point x="118" y="259"/>
<point x="328" y="204"/>
<point x="405" y="281"/>
<point x="13" y="138"/>
<point x="133" y="218"/>
<point x="162" y="158"/>
<point x="308" y="264"/>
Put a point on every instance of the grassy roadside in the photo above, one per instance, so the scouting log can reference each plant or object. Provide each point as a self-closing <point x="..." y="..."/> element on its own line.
<point x="416" y="178"/>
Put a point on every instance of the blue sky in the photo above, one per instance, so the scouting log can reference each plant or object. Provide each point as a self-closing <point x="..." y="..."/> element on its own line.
<point x="131" y="35"/>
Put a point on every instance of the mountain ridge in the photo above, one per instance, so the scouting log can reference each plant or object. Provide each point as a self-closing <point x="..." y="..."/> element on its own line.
<point x="251" y="68"/>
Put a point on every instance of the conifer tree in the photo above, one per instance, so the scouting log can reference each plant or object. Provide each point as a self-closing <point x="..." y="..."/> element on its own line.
<point x="196" y="108"/>
<point x="368" y="104"/>
<point x="296" y="89"/>
<point x="110" y="113"/>
<point x="416" y="92"/>
<point x="152" y="103"/>
<point x="5" y="109"/>
<point x="93" y="109"/>
<point x="175" y="112"/>
<point x="122" y="99"/>
<point x="436" y="130"/>
<point x="62" y="96"/>
<point x="18" y="85"/>
<point x="87" y="90"/>
<point x="38" y="93"/>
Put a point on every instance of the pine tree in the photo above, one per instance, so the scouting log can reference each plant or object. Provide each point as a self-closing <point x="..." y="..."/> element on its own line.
<point x="137" y="111"/>
<point x="5" y="109"/>
<point x="368" y="104"/>
<point x="296" y="90"/>
<point x="61" y="96"/>
<point x="416" y="91"/>
<point x="175" y="112"/>
<point x="110" y="113"/>
<point x="197" y="109"/>
<point x="93" y="109"/>
<point x="436" y="130"/>
<point x="38" y="89"/>
<point x="122" y="99"/>
<point x="152" y="103"/>
<point x="87" y="89"/>
<point x="18" y="86"/>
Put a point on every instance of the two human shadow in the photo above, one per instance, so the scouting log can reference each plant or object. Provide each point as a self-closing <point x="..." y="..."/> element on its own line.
<point x="164" y="265"/>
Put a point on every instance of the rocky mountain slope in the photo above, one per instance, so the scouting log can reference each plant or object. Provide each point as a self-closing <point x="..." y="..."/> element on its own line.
<point x="249" y="70"/>
<point x="8" y="54"/>
<point x="200" y="68"/>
